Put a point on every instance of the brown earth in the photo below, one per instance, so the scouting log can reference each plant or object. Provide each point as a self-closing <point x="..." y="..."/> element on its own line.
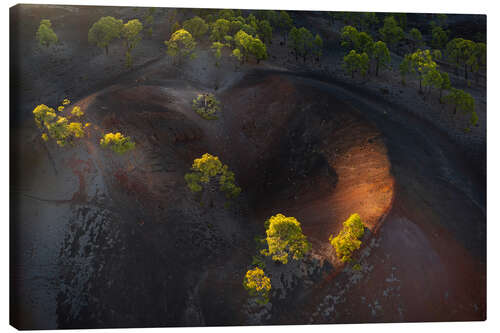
<point x="109" y="229"/>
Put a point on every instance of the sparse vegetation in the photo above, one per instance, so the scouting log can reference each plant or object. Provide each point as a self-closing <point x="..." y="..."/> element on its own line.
<point x="206" y="105"/>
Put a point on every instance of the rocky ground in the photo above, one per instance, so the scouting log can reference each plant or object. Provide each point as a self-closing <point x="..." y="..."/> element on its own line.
<point x="100" y="240"/>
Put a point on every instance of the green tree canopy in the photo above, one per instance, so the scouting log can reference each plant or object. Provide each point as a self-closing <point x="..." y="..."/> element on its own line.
<point x="265" y="31"/>
<point x="405" y="67"/>
<point x="445" y="84"/>
<point x="421" y="62"/>
<point x="349" y="38"/>
<point x="356" y="62"/>
<point x="258" y="285"/>
<point x="217" y="51"/>
<point x="104" y="31"/>
<point x="461" y="51"/>
<point x="365" y="43"/>
<point x="439" y="37"/>
<point x="58" y="127"/>
<point x="391" y="32"/>
<point x="368" y="20"/>
<point x="117" y="142"/>
<point x="45" y="35"/>
<point x="206" y="105"/>
<point x="220" y="28"/>
<point x="462" y="101"/>
<point x="352" y="39"/>
<point x="285" y="239"/>
<point x="347" y="241"/>
<point x="207" y="168"/>
<point x="250" y="45"/>
<point x="432" y="79"/>
<point x="131" y="35"/>
<point x="148" y="21"/>
<point x="236" y="25"/>
<point x="302" y="42"/>
<point x="285" y="23"/>
<point x="181" y="44"/>
<point x="415" y="38"/>
<point x="381" y="55"/>
<point x="226" y="14"/>
<point x="318" y="46"/>
<point x="196" y="26"/>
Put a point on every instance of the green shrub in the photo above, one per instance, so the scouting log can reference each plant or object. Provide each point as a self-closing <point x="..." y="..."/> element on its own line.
<point x="206" y="105"/>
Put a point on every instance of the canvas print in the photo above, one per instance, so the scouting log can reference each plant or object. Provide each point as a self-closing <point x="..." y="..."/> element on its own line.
<point x="212" y="167"/>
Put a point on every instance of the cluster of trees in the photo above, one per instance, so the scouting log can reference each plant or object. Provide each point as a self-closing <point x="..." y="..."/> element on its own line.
<point x="363" y="52"/>
<point x="208" y="168"/>
<point x="59" y="127"/>
<point x="224" y="29"/>
<point x="108" y="28"/>
<point x="421" y="63"/>
<point x="348" y="239"/>
<point x="364" y="21"/>
<point x="243" y="37"/>
<point x="64" y="130"/>
<point x="391" y="32"/>
<point x="466" y="53"/>
<point x="45" y="35"/>
<point x="284" y="240"/>
<point x="304" y="43"/>
<point x="206" y="105"/>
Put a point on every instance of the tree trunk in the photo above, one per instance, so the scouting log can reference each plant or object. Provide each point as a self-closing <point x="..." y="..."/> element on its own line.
<point x="107" y="50"/>
<point x="465" y="69"/>
<point x="352" y="74"/>
<point x="376" y="69"/>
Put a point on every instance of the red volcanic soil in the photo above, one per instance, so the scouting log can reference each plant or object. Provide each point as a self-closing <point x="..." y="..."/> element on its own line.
<point x="296" y="148"/>
<point x="307" y="155"/>
<point x="299" y="151"/>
